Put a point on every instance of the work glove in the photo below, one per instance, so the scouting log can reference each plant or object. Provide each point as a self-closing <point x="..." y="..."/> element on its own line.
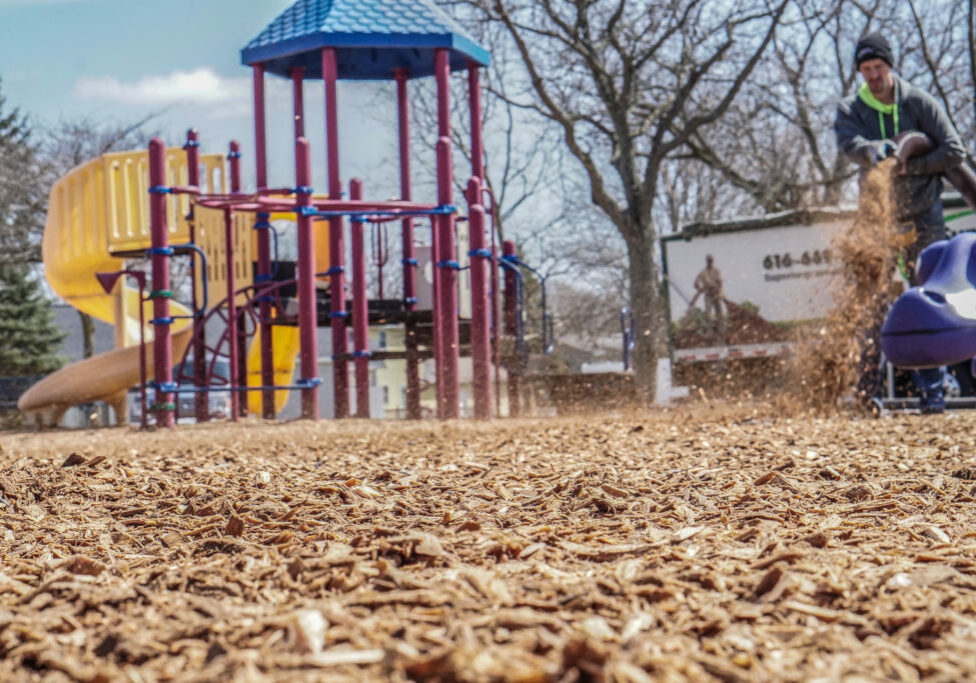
<point x="879" y="150"/>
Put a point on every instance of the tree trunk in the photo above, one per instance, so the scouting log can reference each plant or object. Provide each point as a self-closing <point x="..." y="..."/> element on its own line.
<point x="87" y="335"/>
<point x="651" y="323"/>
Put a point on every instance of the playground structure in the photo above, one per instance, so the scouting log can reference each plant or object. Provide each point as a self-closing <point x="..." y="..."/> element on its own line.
<point x="265" y="319"/>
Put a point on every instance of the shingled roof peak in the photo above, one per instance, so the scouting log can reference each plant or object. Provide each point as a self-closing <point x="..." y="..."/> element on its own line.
<point x="372" y="37"/>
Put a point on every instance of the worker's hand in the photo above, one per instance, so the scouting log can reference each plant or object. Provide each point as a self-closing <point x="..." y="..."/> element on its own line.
<point x="879" y="150"/>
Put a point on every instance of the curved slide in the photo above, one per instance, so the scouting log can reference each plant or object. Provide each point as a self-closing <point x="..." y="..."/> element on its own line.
<point x="97" y="208"/>
<point x="98" y="215"/>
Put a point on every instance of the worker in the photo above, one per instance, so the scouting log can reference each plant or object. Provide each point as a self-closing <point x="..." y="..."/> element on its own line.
<point x="709" y="284"/>
<point x="866" y="123"/>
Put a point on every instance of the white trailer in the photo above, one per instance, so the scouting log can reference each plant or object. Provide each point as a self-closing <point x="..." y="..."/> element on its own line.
<point x="784" y="264"/>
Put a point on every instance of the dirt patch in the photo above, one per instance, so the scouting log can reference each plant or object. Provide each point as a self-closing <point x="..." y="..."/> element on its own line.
<point x="707" y="544"/>
<point x="739" y="326"/>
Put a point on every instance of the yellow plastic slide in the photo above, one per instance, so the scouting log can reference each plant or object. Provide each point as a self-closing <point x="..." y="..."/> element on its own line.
<point x="285" y="344"/>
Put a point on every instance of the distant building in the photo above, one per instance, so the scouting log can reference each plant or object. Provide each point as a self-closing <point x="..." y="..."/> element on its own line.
<point x="73" y="346"/>
<point x="388" y="380"/>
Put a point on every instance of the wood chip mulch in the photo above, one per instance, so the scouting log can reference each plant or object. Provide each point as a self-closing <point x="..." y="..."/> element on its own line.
<point x="728" y="544"/>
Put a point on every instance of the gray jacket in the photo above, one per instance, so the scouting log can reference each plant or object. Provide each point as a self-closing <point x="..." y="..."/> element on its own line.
<point x="857" y="127"/>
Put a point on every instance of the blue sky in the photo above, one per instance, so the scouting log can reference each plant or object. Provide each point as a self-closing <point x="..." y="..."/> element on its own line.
<point x="120" y="60"/>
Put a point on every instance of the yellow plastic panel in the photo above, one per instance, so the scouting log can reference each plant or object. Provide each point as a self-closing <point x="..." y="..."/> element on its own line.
<point x="127" y="192"/>
<point x="285" y="346"/>
<point x="209" y="228"/>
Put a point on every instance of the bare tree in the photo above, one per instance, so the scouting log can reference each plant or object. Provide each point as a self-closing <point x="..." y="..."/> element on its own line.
<point x="629" y="84"/>
<point x="524" y="161"/>
<point x="945" y="40"/>
<point x="588" y="296"/>
<point x="72" y="142"/>
<point x="776" y="144"/>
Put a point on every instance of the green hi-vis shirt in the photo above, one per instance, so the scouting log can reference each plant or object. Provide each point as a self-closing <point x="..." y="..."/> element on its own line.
<point x="862" y="120"/>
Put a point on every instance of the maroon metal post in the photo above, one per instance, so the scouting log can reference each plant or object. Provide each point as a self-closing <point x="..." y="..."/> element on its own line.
<point x="237" y="326"/>
<point x="232" y="336"/>
<point x="447" y="264"/>
<point x="141" y="280"/>
<point x="260" y="126"/>
<point x="360" y="307"/>
<point x="337" y="247"/>
<point x="307" y="321"/>
<point x="482" y="262"/>
<point x="436" y="322"/>
<point x="409" y="254"/>
<point x="477" y="170"/>
<point x="162" y="346"/>
<point x="480" y="332"/>
<point x="201" y="406"/>
<point x="511" y="329"/>
<point x="234" y="161"/>
<point x="262" y="226"/>
<point x="298" y="99"/>
<point x="477" y="146"/>
<point x="496" y="318"/>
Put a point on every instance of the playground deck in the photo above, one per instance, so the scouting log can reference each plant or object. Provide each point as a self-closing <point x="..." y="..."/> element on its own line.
<point x="704" y="543"/>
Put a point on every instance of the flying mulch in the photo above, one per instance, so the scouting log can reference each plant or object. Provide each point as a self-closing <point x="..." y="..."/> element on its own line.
<point x="826" y="367"/>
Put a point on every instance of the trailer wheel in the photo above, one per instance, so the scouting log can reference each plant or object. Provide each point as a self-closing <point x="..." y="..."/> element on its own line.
<point x="876" y="407"/>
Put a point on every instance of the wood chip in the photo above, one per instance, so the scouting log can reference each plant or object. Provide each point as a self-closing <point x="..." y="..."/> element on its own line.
<point x="728" y="543"/>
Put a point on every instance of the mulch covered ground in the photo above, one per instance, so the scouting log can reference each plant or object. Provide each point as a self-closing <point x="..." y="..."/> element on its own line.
<point x="702" y="543"/>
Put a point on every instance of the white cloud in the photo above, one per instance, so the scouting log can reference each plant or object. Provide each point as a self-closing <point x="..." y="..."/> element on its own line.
<point x="200" y="86"/>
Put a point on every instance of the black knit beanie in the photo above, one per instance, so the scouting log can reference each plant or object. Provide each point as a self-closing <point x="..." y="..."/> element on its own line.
<point x="873" y="46"/>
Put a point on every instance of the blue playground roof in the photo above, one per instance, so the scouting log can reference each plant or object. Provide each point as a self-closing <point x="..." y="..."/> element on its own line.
<point x="371" y="37"/>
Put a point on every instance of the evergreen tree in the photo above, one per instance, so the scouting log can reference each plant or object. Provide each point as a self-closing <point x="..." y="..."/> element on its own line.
<point x="23" y="190"/>
<point x="29" y="338"/>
